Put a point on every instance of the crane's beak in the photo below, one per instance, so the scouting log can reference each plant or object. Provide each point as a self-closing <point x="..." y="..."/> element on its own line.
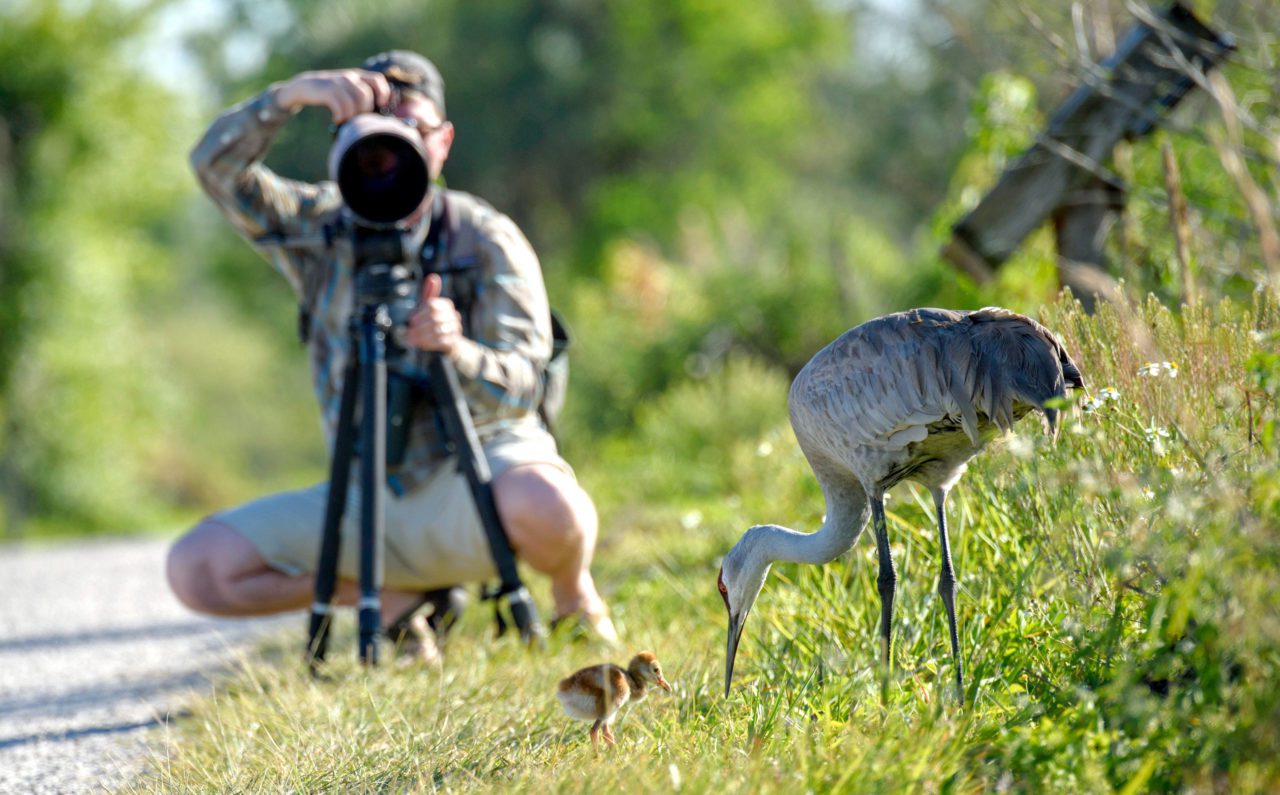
<point x="731" y="650"/>
<point x="664" y="684"/>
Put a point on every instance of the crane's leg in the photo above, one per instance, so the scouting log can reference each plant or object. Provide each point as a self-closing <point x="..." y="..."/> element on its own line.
<point x="947" y="586"/>
<point x="887" y="581"/>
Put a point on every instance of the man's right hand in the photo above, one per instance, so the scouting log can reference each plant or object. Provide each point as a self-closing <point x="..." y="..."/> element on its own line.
<point x="345" y="92"/>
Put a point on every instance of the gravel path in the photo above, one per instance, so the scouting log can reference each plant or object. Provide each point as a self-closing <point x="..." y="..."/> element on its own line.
<point x="94" y="654"/>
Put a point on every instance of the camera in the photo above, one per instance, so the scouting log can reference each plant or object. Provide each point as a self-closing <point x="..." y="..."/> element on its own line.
<point x="381" y="169"/>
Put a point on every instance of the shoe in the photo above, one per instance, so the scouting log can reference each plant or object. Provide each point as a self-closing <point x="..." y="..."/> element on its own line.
<point x="418" y="637"/>
<point x="447" y="605"/>
<point x="583" y="626"/>
<point x="416" y="644"/>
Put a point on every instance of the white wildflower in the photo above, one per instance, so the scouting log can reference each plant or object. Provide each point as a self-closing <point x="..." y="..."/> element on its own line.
<point x="764" y="449"/>
<point x="1157" y="369"/>
<point x="692" y="520"/>
<point x="1093" y="403"/>
<point x="1155" y="437"/>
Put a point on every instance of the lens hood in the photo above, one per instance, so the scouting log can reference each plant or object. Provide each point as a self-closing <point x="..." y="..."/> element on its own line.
<point x="380" y="167"/>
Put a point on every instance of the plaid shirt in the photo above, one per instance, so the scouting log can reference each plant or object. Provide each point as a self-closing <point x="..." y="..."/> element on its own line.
<point x="508" y="325"/>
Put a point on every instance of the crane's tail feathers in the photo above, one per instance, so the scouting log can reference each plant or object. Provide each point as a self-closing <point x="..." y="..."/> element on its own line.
<point x="1051" y="416"/>
<point x="1070" y="372"/>
<point x="1022" y="362"/>
<point x="968" y="414"/>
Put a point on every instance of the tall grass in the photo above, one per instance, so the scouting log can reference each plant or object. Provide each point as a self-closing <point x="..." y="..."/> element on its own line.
<point x="1119" y="618"/>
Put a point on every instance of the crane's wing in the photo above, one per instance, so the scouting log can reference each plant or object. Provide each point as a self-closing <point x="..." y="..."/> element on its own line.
<point x="881" y="384"/>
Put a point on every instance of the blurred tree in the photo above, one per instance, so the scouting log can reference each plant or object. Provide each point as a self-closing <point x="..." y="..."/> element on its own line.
<point x="86" y="199"/>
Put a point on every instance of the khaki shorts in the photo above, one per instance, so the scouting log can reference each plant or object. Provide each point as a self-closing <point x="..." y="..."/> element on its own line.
<point x="433" y="534"/>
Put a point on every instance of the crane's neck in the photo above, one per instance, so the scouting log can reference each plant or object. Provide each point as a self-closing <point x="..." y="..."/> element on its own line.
<point x="846" y="517"/>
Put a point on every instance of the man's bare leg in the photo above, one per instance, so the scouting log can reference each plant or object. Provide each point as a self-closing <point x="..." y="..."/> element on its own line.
<point x="214" y="569"/>
<point x="553" y="526"/>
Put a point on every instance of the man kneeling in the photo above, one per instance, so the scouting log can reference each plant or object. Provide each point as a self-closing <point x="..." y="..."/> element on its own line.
<point x="258" y="558"/>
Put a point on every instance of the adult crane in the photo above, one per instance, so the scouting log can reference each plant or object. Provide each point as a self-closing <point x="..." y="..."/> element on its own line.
<point x="909" y="396"/>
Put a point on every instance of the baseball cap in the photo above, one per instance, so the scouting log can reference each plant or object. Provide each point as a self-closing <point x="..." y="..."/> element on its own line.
<point x="409" y="70"/>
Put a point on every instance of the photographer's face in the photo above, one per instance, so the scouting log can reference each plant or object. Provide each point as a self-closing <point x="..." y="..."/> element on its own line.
<point x="437" y="134"/>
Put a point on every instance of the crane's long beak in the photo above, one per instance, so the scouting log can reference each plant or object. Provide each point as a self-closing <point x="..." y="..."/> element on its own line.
<point x="731" y="650"/>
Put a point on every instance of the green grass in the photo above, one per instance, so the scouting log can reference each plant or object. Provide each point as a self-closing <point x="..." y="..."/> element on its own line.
<point x="1118" y="605"/>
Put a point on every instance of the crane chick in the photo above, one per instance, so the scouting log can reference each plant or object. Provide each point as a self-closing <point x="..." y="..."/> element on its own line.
<point x="597" y="693"/>
<point x="909" y="396"/>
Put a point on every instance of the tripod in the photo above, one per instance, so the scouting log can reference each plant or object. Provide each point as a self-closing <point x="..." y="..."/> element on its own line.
<point x="378" y="286"/>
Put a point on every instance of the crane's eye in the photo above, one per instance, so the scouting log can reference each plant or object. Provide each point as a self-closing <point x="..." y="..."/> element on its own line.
<point x="723" y="589"/>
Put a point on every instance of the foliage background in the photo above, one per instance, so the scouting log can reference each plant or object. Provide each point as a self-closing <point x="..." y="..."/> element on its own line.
<point x="716" y="189"/>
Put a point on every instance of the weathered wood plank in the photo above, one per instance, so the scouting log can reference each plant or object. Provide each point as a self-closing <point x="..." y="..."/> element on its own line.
<point x="1126" y="96"/>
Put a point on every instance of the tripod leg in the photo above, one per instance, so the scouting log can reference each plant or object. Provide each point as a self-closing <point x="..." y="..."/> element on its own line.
<point x="474" y="465"/>
<point x="373" y="465"/>
<point x="331" y="538"/>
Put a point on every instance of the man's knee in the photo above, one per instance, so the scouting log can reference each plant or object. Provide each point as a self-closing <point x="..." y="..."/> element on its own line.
<point x="543" y="505"/>
<point x="199" y="560"/>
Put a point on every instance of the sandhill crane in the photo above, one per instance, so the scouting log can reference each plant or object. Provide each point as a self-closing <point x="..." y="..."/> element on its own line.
<point x="913" y="395"/>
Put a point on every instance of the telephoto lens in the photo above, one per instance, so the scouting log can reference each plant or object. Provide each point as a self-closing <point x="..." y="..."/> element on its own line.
<point x="380" y="167"/>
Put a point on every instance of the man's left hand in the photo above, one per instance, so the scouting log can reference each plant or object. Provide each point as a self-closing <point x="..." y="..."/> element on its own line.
<point x="436" y="324"/>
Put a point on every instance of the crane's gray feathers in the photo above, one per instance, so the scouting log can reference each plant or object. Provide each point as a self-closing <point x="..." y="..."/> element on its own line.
<point x="1022" y="362"/>
<point x="891" y="384"/>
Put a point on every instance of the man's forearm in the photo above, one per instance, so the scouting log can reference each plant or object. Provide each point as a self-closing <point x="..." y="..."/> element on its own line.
<point x="231" y="151"/>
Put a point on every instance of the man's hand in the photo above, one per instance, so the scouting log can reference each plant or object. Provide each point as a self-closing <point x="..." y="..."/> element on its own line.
<point x="345" y="92"/>
<point x="436" y="324"/>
